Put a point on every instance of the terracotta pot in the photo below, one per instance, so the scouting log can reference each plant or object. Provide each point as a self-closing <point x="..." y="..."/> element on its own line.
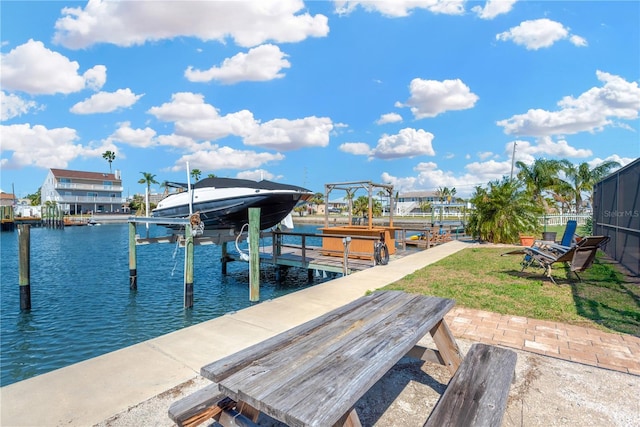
<point x="527" y="240"/>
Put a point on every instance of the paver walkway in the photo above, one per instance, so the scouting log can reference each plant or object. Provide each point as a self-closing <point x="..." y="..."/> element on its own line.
<point x="574" y="343"/>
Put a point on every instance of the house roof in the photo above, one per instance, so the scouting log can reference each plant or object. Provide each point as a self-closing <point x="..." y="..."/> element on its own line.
<point x="6" y="196"/>
<point x="418" y="194"/>
<point x="63" y="173"/>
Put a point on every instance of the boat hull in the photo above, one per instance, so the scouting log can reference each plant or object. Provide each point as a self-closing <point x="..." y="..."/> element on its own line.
<point x="233" y="213"/>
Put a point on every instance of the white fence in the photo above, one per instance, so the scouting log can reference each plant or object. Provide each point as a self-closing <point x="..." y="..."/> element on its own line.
<point x="562" y="219"/>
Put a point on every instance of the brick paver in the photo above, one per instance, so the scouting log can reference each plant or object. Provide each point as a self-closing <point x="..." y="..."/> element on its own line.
<point x="573" y="343"/>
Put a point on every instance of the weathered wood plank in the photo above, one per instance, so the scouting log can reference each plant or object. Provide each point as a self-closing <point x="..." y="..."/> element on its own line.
<point x="197" y="407"/>
<point x="477" y="394"/>
<point x="361" y="343"/>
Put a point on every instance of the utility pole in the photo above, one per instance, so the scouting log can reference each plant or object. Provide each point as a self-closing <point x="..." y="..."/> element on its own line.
<point x="513" y="159"/>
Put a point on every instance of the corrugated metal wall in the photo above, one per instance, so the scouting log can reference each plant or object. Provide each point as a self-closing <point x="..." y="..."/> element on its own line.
<point x="616" y="213"/>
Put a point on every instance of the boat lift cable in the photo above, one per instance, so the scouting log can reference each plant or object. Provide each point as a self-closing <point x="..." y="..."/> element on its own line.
<point x="175" y="253"/>
<point x="243" y="255"/>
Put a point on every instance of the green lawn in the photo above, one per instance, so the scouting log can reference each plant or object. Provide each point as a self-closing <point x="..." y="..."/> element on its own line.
<point x="482" y="279"/>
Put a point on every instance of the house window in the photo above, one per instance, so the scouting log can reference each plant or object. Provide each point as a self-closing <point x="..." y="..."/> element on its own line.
<point x="92" y="194"/>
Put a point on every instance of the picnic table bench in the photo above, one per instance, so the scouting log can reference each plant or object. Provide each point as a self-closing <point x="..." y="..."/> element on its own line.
<point x="313" y="374"/>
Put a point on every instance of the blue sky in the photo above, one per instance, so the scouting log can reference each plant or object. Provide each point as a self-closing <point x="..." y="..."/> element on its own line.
<point x="418" y="94"/>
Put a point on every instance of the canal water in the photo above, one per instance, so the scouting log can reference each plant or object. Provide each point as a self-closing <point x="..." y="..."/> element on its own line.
<point x="82" y="306"/>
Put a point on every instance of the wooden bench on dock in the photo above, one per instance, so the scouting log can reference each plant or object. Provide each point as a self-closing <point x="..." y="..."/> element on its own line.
<point x="339" y="356"/>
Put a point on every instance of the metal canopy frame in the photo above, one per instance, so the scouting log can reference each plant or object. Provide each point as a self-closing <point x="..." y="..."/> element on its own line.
<point x="351" y="188"/>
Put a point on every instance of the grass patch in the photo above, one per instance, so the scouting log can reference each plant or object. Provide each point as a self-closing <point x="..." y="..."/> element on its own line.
<point x="482" y="279"/>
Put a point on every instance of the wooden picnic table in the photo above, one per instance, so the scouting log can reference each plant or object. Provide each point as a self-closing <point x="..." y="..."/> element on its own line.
<point x="313" y="374"/>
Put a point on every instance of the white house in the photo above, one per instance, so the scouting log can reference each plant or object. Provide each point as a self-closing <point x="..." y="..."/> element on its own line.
<point x="83" y="192"/>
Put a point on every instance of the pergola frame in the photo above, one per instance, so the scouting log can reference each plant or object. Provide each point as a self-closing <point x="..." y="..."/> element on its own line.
<point x="351" y="188"/>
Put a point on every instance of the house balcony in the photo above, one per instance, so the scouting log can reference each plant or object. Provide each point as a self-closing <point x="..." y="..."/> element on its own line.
<point x="87" y="187"/>
<point x="89" y="199"/>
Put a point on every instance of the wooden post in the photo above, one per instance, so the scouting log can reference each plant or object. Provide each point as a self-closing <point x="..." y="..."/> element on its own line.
<point x="225" y="258"/>
<point x="133" y="269"/>
<point x="24" y="248"/>
<point x="254" y="255"/>
<point x="345" y="261"/>
<point x="188" y="267"/>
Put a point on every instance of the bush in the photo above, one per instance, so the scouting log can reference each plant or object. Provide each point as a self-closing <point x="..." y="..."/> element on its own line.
<point x="502" y="212"/>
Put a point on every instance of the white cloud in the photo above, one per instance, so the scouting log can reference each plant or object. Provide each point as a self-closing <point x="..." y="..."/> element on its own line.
<point x="389" y="118"/>
<point x="221" y="158"/>
<point x="485" y="155"/>
<point x="14" y="106"/>
<point x="539" y="33"/>
<point x="578" y="41"/>
<point x="545" y="146"/>
<point x="401" y="8"/>
<point x="39" y="146"/>
<point x="406" y="143"/>
<point x="184" y="106"/>
<point x="431" y="97"/>
<point x="622" y="160"/>
<point x="258" y="175"/>
<point x="128" y="23"/>
<point x="493" y="8"/>
<point x="400" y="185"/>
<point x="34" y="69"/>
<point x="591" y="111"/>
<point x="106" y="102"/>
<point x="356" y="148"/>
<point x="135" y="137"/>
<point x="261" y="63"/>
<point x="430" y="178"/>
<point x="285" y="134"/>
<point x="196" y="119"/>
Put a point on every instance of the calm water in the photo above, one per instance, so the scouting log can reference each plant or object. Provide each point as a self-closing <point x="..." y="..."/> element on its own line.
<point x="81" y="303"/>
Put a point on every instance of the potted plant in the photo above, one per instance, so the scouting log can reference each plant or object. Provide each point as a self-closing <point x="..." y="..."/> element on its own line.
<point x="526" y="240"/>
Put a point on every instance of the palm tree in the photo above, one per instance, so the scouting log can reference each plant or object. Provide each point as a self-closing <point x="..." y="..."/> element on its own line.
<point x="503" y="211"/>
<point x="317" y="200"/>
<point x="211" y="175"/>
<point x="581" y="178"/>
<point x="426" y="206"/>
<point x="361" y="206"/>
<point x="539" y="177"/>
<point x="148" y="179"/>
<point x="196" y="173"/>
<point x="109" y="156"/>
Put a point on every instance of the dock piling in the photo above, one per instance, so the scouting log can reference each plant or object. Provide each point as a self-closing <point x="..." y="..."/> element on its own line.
<point x="133" y="270"/>
<point x="24" y="248"/>
<point x="254" y="254"/>
<point x="188" y="267"/>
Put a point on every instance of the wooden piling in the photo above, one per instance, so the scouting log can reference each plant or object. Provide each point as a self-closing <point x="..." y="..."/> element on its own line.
<point x="133" y="270"/>
<point x="254" y="254"/>
<point x="24" y="248"/>
<point x="188" y="267"/>
<point x="224" y="259"/>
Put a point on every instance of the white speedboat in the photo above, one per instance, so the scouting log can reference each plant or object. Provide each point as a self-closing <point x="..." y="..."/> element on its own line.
<point x="223" y="203"/>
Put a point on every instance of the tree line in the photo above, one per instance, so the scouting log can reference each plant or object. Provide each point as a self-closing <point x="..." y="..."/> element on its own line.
<point x="507" y="207"/>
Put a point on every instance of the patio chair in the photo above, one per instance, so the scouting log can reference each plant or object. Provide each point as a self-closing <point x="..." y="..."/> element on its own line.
<point x="579" y="256"/>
